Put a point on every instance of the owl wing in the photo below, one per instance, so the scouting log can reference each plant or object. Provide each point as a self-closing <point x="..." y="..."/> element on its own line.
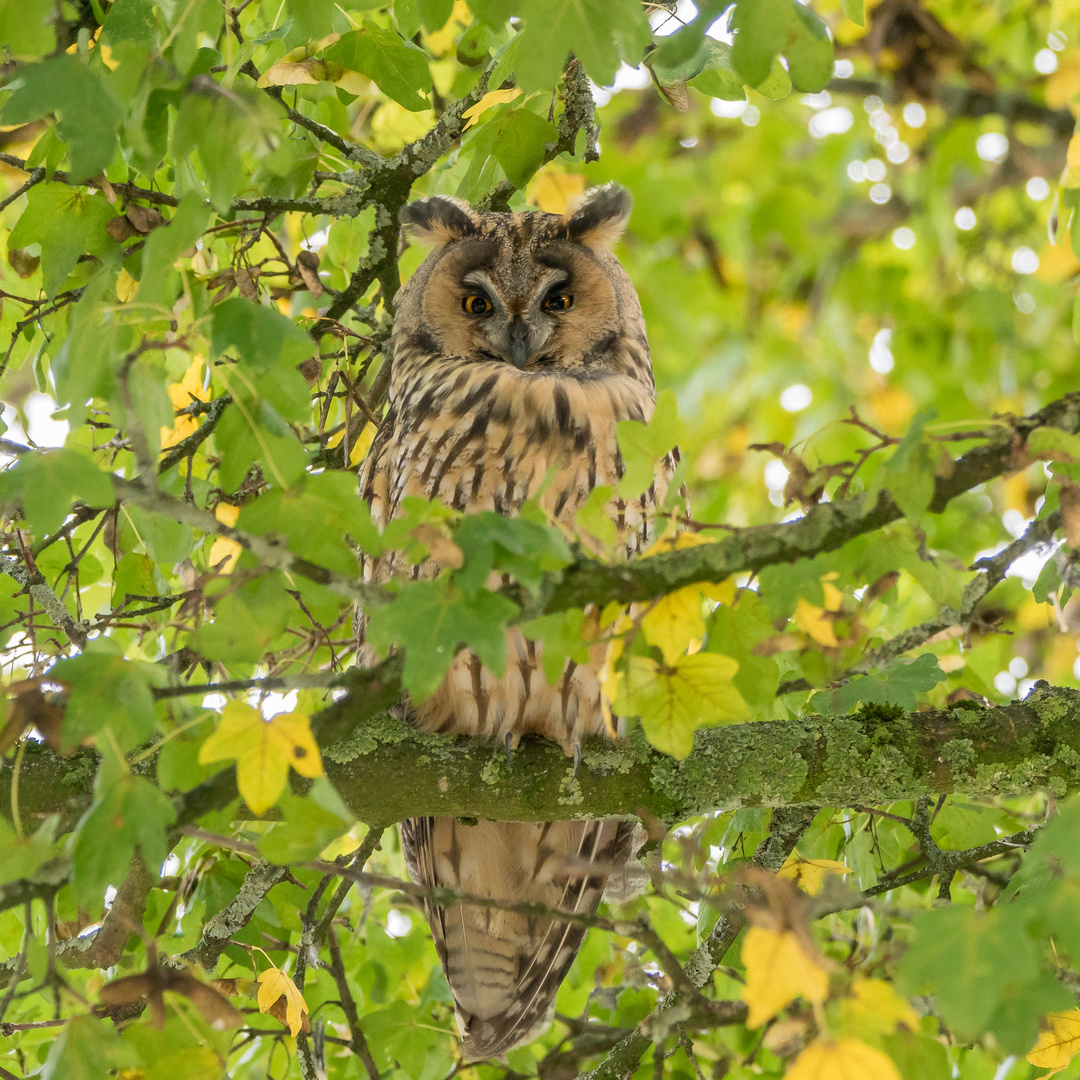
<point x="504" y="968"/>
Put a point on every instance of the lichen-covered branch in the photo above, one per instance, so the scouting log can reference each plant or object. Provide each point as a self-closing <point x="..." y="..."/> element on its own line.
<point x="871" y="757"/>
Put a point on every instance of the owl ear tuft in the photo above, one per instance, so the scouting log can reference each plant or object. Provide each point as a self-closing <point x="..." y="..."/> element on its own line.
<point x="439" y="220"/>
<point x="600" y="218"/>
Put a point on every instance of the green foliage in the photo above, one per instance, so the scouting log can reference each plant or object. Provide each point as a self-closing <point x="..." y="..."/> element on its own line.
<point x="198" y="216"/>
<point x="900" y="683"/>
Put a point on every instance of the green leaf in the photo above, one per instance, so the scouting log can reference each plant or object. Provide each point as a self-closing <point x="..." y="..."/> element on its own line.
<point x="308" y="825"/>
<point x="809" y="51"/>
<point x="672" y="67"/>
<point x="854" y="10"/>
<point x="166" y="541"/>
<point x="917" y="1056"/>
<point x="435" y="14"/>
<point x="397" y="67"/>
<point x="86" y="1048"/>
<point x="761" y="30"/>
<point x="108" y="690"/>
<point x="47" y="482"/>
<point x="130" y="20"/>
<point x="315" y="518"/>
<point x="159" y="284"/>
<point x="734" y="631"/>
<point x="898" y="684"/>
<point x="134" y="575"/>
<point x="223" y="127"/>
<point x="430" y="619"/>
<point x="985" y="971"/>
<point x="132" y="813"/>
<point x="600" y="33"/>
<point x="397" y="1036"/>
<point x="21" y="856"/>
<point x="1053" y="444"/>
<point x="494" y="13"/>
<point x="523" y="548"/>
<point x="88" y="115"/>
<point x="908" y="476"/>
<point x="643" y="445"/>
<point x="27" y="29"/>
<point x="561" y="635"/>
<point x="66" y="223"/>
<point x="246" y="622"/>
<point x="519" y="148"/>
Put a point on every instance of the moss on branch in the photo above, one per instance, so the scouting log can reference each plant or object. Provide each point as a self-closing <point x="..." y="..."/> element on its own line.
<point x="386" y="771"/>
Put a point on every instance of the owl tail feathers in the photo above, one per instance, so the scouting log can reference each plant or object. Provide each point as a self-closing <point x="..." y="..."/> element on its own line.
<point x="484" y="1039"/>
<point x="505" y="966"/>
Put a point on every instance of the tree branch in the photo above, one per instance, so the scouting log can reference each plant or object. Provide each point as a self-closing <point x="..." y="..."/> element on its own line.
<point x="858" y="759"/>
<point x="964" y="100"/>
<point x="824" y="528"/>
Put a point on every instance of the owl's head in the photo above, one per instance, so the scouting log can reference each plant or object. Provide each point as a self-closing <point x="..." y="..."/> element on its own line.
<point x="541" y="292"/>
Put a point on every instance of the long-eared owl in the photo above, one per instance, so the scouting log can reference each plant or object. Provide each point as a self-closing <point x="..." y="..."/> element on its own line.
<point x="517" y="346"/>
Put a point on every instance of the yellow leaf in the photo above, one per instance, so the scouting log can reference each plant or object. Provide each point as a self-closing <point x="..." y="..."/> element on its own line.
<point x="674" y="700"/>
<point x="264" y="750"/>
<point x="552" y="190"/>
<point x="1058" y="1043"/>
<point x="811" y="620"/>
<point x="844" y="1059"/>
<point x="875" y="1003"/>
<point x="809" y="874"/>
<point x="778" y="970"/>
<point x="274" y="984"/>
<point x="609" y="677"/>
<point x="225" y="551"/>
<point x="1063" y="85"/>
<point x="182" y="394"/>
<point x="674" y="621"/>
<point x="488" y="101"/>
<point x="126" y="287"/>
<point x="676" y="542"/>
<point x="892" y="408"/>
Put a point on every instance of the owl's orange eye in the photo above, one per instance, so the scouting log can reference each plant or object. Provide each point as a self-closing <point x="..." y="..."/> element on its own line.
<point x="559" y="302"/>
<point x="476" y="304"/>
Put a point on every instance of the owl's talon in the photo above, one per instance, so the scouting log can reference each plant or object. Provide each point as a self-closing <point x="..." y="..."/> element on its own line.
<point x="509" y="742"/>
<point x="577" y="760"/>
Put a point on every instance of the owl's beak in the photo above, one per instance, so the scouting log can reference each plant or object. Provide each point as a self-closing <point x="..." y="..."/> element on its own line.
<point x="519" y="342"/>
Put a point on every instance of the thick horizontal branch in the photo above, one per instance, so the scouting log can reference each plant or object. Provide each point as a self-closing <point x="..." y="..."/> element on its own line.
<point x="824" y="528"/>
<point x="869" y="758"/>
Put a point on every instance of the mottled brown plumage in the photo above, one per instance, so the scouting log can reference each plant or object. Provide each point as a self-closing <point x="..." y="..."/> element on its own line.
<point x="517" y="346"/>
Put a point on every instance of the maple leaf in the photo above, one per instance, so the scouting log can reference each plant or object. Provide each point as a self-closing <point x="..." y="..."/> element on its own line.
<point x="673" y="701"/>
<point x="264" y="750"/>
<point x="1059" y="1042"/>
<point x="809" y="874"/>
<point x="844" y="1059"/>
<point x="778" y="970"/>
<point x="274" y="985"/>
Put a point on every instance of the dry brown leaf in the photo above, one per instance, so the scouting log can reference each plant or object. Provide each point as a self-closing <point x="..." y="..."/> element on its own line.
<point x="144" y="218"/>
<point x="307" y="265"/>
<point x="121" y="228"/>
<point x="247" y="282"/>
